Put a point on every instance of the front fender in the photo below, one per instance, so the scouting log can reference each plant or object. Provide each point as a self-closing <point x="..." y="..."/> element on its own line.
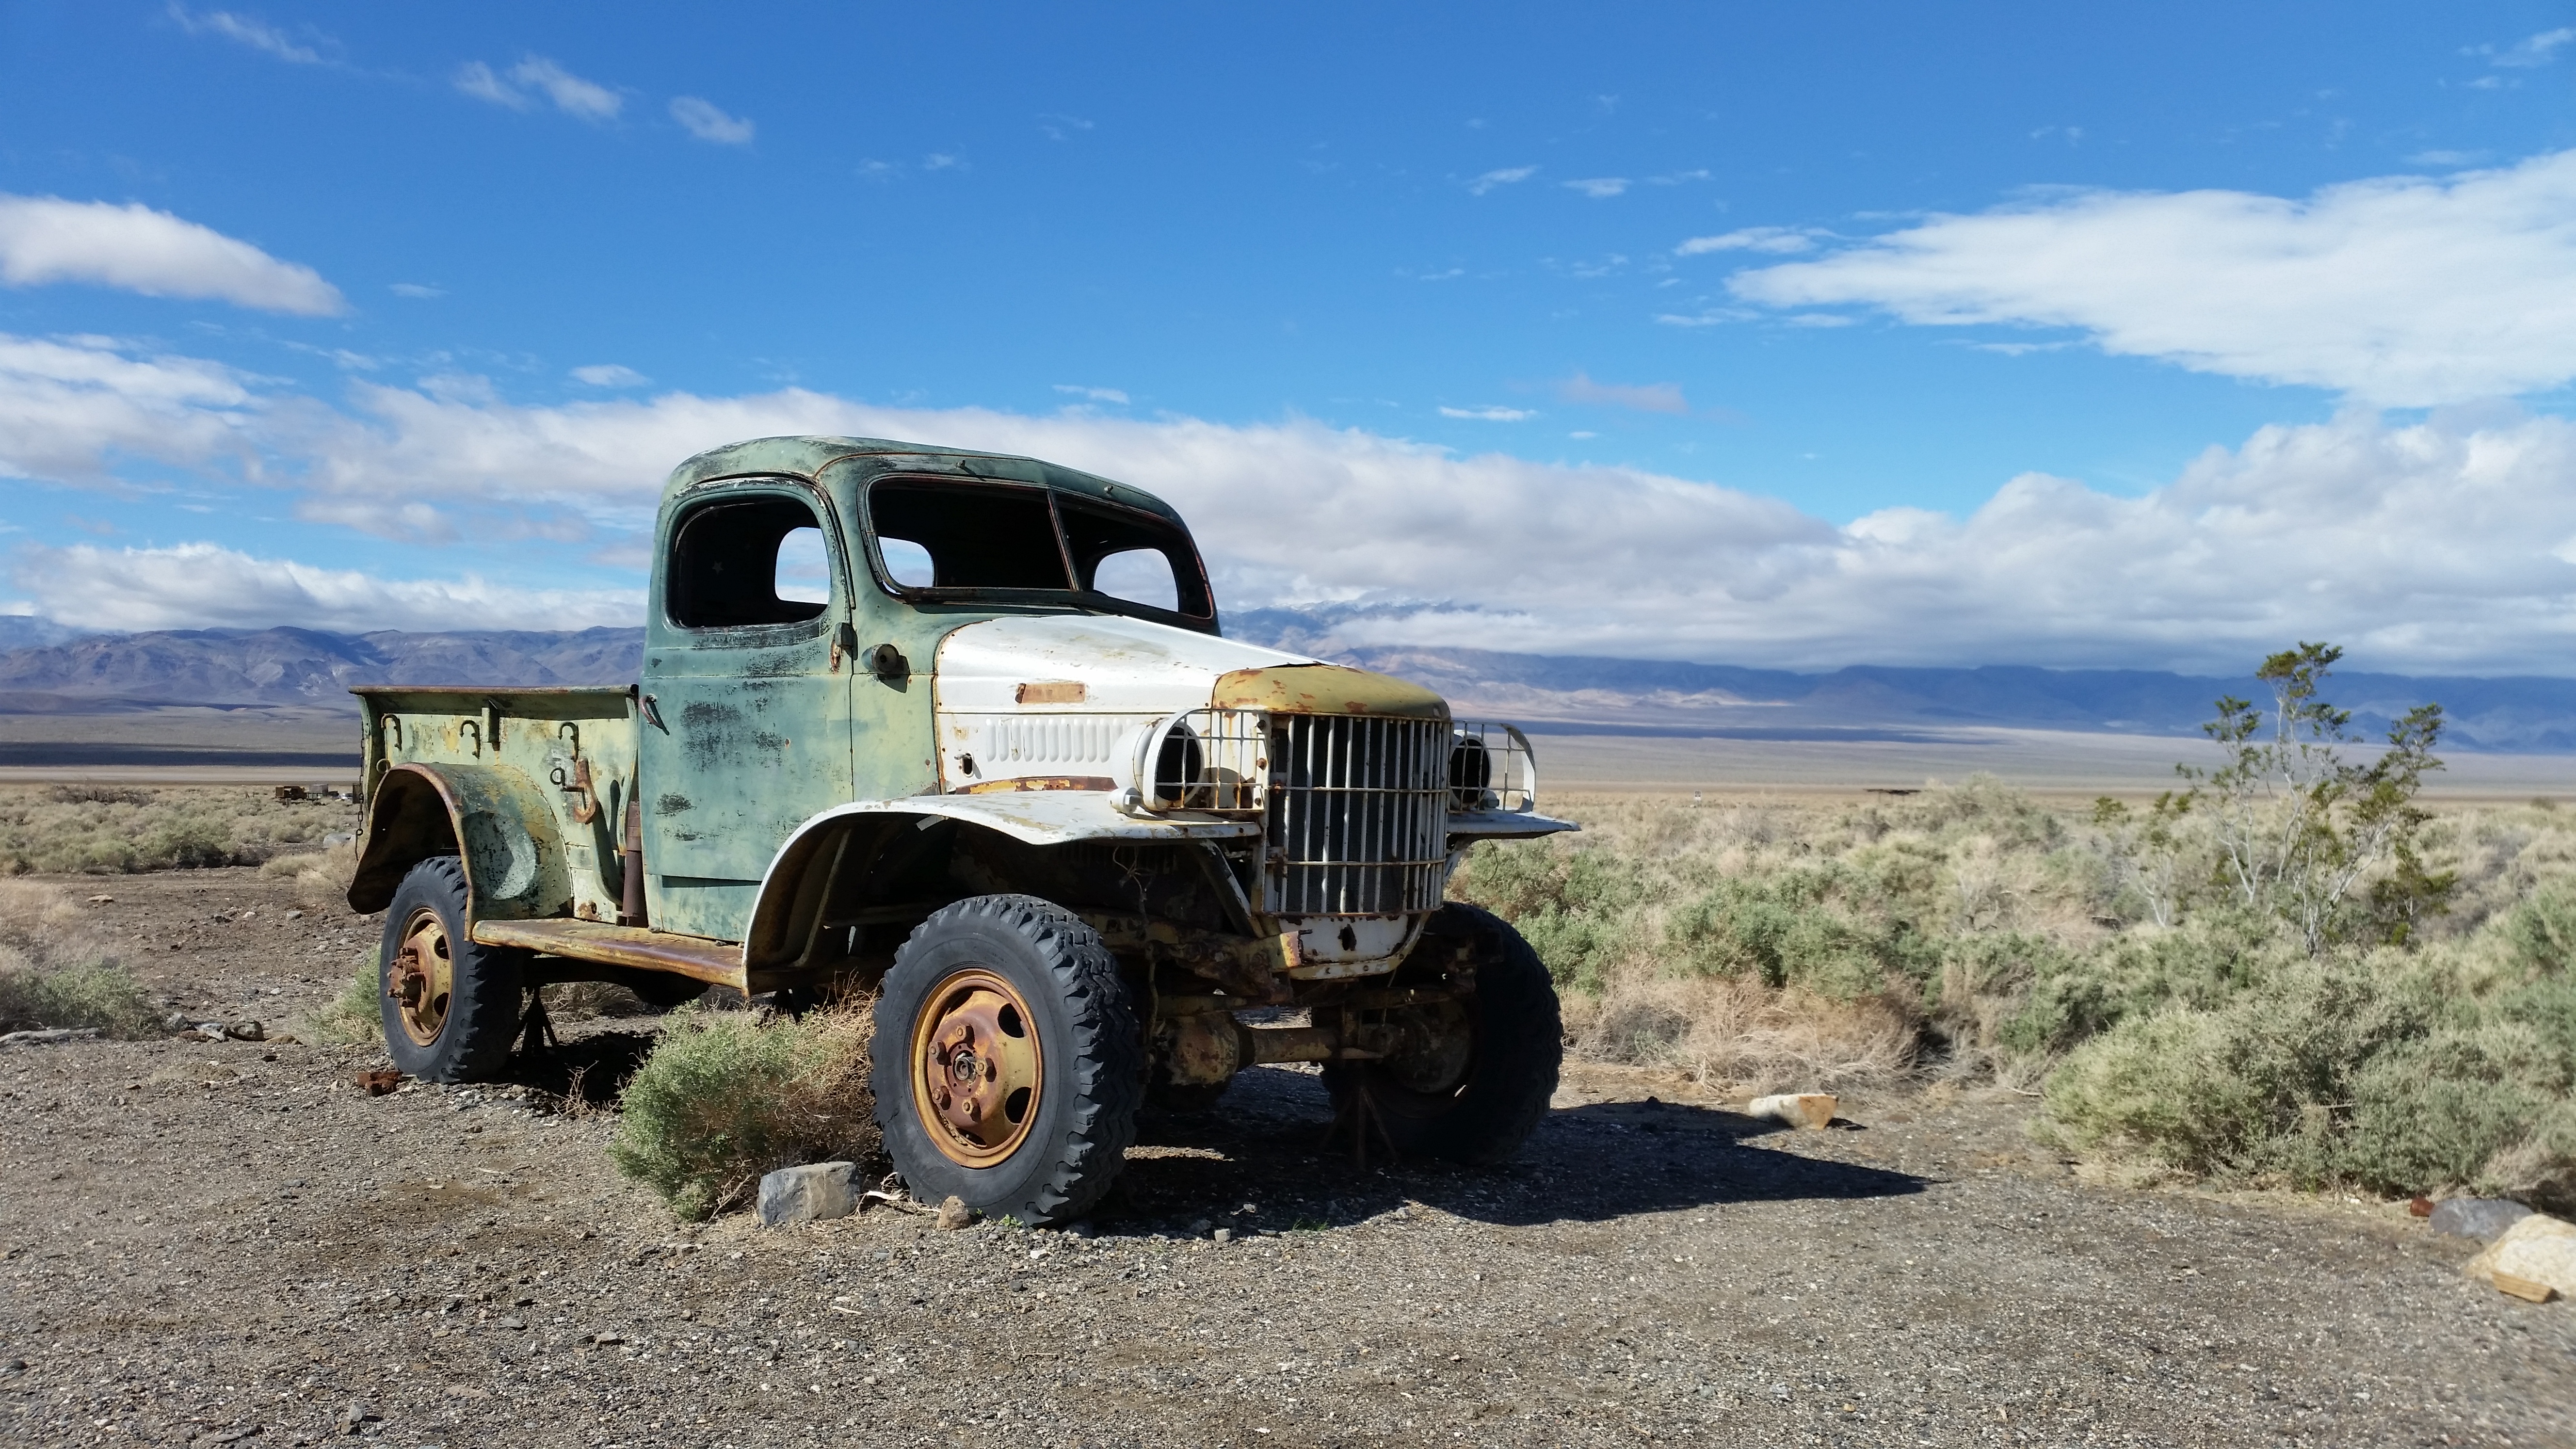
<point x="791" y="889"/>
<point x="491" y="816"/>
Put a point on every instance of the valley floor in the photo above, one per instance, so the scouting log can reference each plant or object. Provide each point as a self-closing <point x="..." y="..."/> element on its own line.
<point x="231" y="1243"/>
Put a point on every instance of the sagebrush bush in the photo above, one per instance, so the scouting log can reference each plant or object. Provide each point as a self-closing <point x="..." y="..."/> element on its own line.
<point x="725" y="1097"/>
<point x="356" y="1015"/>
<point x="119" y="830"/>
<point x="56" y="971"/>
<point x="1970" y="931"/>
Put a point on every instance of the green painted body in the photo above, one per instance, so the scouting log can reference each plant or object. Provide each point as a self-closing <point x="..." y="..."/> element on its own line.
<point x="733" y="736"/>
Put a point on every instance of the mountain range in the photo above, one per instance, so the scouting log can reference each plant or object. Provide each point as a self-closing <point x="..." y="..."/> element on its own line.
<point x="313" y="668"/>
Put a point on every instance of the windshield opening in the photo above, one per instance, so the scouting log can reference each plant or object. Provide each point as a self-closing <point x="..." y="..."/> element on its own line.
<point x="954" y="540"/>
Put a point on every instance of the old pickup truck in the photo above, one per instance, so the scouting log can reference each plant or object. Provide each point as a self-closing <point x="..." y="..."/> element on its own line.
<point x="961" y="730"/>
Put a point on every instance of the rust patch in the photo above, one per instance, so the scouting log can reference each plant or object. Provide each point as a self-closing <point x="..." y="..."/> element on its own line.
<point x="1053" y="691"/>
<point x="1325" y="689"/>
<point x="1037" y="782"/>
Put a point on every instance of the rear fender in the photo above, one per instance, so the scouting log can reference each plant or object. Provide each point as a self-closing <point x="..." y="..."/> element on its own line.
<point x="492" y="816"/>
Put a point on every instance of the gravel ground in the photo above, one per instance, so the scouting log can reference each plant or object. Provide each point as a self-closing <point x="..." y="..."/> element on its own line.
<point x="230" y="1243"/>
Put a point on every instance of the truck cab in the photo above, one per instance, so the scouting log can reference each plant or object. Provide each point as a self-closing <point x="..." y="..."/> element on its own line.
<point x="963" y="731"/>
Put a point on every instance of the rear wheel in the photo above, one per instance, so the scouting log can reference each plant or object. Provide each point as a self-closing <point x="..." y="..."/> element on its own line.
<point x="1006" y="1060"/>
<point x="450" y="1006"/>
<point x="1467" y="1079"/>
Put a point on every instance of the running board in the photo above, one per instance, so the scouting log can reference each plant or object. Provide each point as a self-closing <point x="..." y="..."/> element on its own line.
<point x="695" y="957"/>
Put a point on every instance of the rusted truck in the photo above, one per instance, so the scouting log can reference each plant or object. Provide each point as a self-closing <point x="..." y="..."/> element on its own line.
<point x="961" y="730"/>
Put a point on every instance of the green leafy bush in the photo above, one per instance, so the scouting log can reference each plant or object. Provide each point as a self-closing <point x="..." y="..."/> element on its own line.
<point x="115" y="831"/>
<point x="726" y="1097"/>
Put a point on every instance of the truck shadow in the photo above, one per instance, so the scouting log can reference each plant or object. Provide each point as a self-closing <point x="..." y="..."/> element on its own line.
<point x="1263" y="1147"/>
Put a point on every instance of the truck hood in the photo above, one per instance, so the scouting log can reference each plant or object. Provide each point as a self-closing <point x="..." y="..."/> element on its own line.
<point x="1064" y="703"/>
<point x="1106" y="664"/>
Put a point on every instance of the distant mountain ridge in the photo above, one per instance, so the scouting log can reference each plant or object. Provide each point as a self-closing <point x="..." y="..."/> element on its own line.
<point x="314" y="668"/>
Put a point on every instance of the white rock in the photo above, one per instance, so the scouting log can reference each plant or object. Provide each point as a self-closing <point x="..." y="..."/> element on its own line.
<point x="806" y="1194"/>
<point x="2539" y="1249"/>
<point x="1798" y="1109"/>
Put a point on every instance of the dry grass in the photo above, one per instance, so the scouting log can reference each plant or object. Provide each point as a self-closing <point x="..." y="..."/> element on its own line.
<point x="117" y="830"/>
<point x="58" y="970"/>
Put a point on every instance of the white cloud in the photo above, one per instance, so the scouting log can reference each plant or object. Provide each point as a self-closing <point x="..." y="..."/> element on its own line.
<point x="942" y="161"/>
<point x="704" y="121"/>
<point x="2435" y="546"/>
<point x="1599" y="188"/>
<point x="1094" y="394"/>
<point x="1489" y="415"/>
<point x="1751" y="239"/>
<point x="2535" y="50"/>
<point x="71" y="407"/>
<point x="1509" y="175"/>
<point x="1657" y="397"/>
<point x="47" y="239"/>
<point x="257" y="34"/>
<point x="609" y="374"/>
<point x="476" y="79"/>
<point x="2400" y="291"/>
<point x="204" y="586"/>
<point x="536" y="75"/>
<point x="416" y="291"/>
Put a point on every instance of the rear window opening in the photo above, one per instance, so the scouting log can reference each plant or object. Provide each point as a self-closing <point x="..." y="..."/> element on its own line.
<point x="961" y="540"/>
<point x="748" y="562"/>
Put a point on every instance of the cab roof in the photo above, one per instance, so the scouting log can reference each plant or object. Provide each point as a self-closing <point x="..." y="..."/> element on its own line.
<point x="807" y="456"/>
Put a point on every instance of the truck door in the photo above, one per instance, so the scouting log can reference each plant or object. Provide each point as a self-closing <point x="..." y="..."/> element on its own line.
<point x="746" y="730"/>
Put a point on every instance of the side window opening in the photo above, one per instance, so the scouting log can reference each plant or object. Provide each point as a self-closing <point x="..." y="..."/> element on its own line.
<point x="972" y="536"/>
<point x="1140" y="576"/>
<point x="1135" y="557"/>
<point x="747" y="562"/>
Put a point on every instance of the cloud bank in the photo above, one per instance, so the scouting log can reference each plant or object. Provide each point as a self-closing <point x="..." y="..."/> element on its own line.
<point x="2401" y="291"/>
<point x="46" y="239"/>
<point x="2447" y="545"/>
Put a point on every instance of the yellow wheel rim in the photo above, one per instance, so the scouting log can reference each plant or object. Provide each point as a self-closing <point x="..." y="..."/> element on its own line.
<point x="422" y="976"/>
<point x="977" y="1068"/>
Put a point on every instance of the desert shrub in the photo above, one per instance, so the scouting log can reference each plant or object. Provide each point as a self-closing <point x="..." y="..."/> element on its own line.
<point x="94" y="994"/>
<point x="55" y="971"/>
<point x="725" y="1097"/>
<point x="2380" y="1072"/>
<point x="354" y="1016"/>
<point x="119" y="830"/>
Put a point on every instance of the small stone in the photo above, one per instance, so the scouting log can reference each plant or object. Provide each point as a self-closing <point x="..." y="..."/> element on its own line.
<point x="954" y="1214"/>
<point x="513" y="1322"/>
<point x="295" y="915"/>
<point x="2482" y="1218"/>
<point x="807" y="1194"/>
<point x="2537" y="1249"/>
<point x="102" y="900"/>
<point x="1808" y="1110"/>
<point x="1223" y="1235"/>
<point x="246" y="1031"/>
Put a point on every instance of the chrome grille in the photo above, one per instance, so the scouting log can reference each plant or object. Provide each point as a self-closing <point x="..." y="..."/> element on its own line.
<point x="1358" y="817"/>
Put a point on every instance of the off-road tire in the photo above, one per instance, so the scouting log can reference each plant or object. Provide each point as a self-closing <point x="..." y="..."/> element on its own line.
<point x="1519" y="1043"/>
<point x="1092" y="1058"/>
<point x="485" y="992"/>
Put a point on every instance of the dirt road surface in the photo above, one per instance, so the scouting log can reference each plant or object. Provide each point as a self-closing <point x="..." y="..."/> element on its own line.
<point x="231" y="1244"/>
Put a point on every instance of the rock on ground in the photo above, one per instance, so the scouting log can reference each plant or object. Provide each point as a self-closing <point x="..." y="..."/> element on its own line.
<point x="815" y="1192"/>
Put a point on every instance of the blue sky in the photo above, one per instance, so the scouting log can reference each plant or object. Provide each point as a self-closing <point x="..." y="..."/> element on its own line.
<point x="1790" y="335"/>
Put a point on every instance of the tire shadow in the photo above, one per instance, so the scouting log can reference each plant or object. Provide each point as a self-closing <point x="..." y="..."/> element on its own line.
<point x="1262" y="1148"/>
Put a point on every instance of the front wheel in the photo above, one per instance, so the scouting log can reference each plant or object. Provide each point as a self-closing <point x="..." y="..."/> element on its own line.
<point x="1006" y="1060"/>
<point x="1468" y="1078"/>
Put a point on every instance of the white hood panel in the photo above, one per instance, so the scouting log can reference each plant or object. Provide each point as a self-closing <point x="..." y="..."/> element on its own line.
<point x="1070" y="698"/>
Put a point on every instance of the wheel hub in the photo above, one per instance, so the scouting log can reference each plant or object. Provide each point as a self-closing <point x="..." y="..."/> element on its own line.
<point x="977" y="1067"/>
<point x="421" y="976"/>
